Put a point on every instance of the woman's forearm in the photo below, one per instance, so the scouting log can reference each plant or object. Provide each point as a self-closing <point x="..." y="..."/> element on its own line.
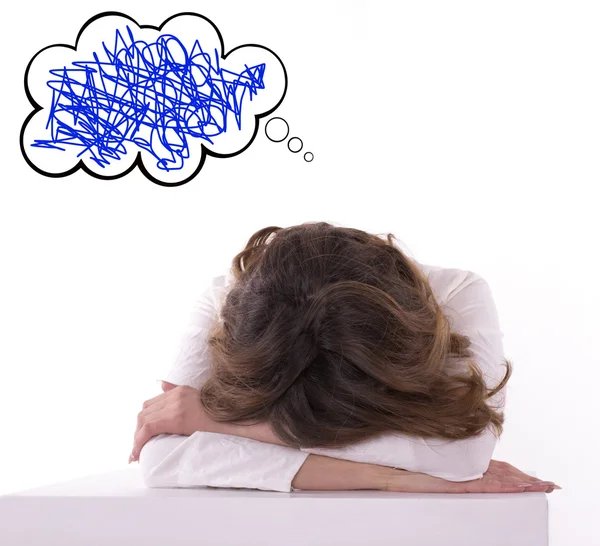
<point x="326" y="474"/>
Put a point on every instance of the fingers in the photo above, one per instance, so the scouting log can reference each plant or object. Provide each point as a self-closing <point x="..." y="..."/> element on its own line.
<point x="142" y="417"/>
<point x="506" y="486"/>
<point x="504" y="471"/>
<point x="418" y="482"/>
<point x="154" y="400"/>
<point x="513" y="488"/>
<point x="146" y="413"/>
<point x="148" y="430"/>
<point x="544" y="487"/>
<point x="520" y="478"/>
<point x="526" y="477"/>
<point x="503" y="484"/>
<point x="150" y="407"/>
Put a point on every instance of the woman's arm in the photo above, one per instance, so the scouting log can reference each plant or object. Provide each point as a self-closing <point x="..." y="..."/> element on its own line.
<point x="171" y="460"/>
<point x="208" y="458"/>
<point x="468" y="303"/>
<point x="471" y="306"/>
<point x="197" y="464"/>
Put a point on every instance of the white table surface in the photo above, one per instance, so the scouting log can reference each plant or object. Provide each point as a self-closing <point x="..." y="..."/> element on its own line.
<point x="116" y="509"/>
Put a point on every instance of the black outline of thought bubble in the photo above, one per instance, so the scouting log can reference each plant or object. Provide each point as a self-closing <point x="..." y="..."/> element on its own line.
<point x="138" y="161"/>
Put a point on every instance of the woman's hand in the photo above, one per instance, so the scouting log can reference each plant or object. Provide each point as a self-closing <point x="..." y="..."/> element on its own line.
<point x="177" y="411"/>
<point x="500" y="477"/>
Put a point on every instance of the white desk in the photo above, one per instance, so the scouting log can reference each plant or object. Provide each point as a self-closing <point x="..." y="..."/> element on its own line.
<point x="116" y="509"/>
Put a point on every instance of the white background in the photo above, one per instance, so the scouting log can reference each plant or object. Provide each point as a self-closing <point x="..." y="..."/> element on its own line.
<point x="470" y="130"/>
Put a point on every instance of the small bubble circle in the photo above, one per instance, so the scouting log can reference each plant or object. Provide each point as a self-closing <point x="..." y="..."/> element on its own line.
<point x="277" y="129"/>
<point x="294" y="145"/>
<point x="308" y="157"/>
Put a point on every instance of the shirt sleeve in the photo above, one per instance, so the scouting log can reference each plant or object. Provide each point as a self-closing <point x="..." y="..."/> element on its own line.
<point x="206" y="458"/>
<point x="192" y="365"/>
<point x="218" y="460"/>
<point x="470" y="308"/>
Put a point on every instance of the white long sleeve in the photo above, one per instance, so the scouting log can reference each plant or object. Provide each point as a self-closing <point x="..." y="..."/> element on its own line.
<point x="227" y="461"/>
<point x="218" y="460"/>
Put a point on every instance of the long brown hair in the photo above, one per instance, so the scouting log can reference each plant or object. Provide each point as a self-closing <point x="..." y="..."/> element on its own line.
<point x="333" y="336"/>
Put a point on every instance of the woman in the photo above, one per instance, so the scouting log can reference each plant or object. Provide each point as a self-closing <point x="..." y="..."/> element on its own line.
<point x="336" y="362"/>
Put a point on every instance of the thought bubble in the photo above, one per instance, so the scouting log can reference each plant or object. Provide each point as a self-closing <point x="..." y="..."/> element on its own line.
<point x="157" y="98"/>
<point x="295" y="144"/>
<point x="277" y="130"/>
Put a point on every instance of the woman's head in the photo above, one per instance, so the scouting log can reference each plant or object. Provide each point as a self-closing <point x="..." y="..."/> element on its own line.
<point x="333" y="336"/>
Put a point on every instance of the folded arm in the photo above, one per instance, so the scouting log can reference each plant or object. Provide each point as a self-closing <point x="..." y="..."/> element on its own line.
<point x="253" y="457"/>
<point x="458" y="460"/>
<point x="470" y="307"/>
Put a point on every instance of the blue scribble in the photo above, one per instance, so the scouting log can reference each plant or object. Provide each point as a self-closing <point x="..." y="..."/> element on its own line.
<point x="156" y="95"/>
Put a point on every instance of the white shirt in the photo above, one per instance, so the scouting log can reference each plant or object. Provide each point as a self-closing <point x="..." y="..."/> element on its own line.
<point x="221" y="460"/>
